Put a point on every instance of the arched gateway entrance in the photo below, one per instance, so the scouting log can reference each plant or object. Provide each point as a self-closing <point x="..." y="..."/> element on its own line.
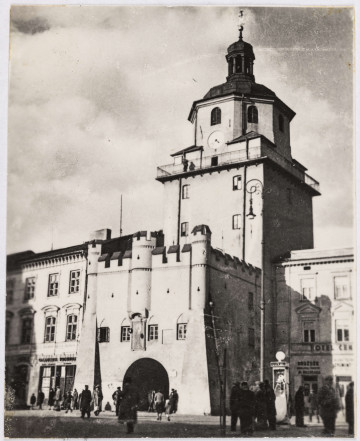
<point x="147" y="375"/>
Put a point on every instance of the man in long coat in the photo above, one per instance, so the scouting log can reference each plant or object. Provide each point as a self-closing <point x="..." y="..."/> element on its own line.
<point x="85" y="402"/>
<point x="300" y="407"/>
<point x="246" y="408"/>
<point x="329" y="406"/>
<point x="270" y="405"/>
<point x="129" y="404"/>
<point x="40" y="399"/>
<point x="234" y="405"/>
<point x="349" y="407"/>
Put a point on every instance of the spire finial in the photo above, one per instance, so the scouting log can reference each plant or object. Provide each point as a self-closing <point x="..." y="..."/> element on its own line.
<point x="241" y="24"/>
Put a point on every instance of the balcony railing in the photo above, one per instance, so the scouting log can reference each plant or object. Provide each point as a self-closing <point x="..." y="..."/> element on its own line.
<point x="238" y="156"/>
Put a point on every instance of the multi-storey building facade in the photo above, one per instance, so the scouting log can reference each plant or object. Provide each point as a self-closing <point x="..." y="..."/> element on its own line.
<point x="45" y="299"/>
<point x="316" y="326"/>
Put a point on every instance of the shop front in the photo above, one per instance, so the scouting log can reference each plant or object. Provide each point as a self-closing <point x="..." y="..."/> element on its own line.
<point x="57" y="372"/>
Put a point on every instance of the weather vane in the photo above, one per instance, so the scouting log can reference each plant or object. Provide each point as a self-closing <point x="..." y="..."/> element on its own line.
<point x="241" y="23"/>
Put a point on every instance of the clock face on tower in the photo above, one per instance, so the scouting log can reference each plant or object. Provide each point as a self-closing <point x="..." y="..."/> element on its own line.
<point x="216" y="139"/>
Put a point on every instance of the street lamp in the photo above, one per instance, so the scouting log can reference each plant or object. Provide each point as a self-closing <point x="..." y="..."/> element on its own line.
<point x="255" y="186"/>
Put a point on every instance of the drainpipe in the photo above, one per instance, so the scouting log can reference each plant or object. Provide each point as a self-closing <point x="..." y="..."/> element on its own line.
<point x="244" y="209"/>
<point x="179" y="212"/>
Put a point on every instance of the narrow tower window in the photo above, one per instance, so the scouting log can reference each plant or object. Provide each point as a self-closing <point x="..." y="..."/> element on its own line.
<point x="281" y="123"/>
<point x="185" y="191"/>
<point x="236" y="222"/>
<point x="237" y="183"/>
<point x="253" y="115"/>
<point x="215" y="116"/>
<point x="185" y="229"/>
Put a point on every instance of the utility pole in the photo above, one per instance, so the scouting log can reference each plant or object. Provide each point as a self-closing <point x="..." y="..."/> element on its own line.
<point x="120" y="215"/>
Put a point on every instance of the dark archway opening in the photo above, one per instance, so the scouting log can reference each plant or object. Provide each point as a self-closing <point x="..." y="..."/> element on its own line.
<point x="148" y="375"/>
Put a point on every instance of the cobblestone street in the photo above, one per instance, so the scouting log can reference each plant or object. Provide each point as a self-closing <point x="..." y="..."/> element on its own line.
<point x="49" y="424"/>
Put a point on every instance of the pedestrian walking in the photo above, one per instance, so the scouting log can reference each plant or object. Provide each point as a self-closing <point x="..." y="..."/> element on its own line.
<point x="67" y="402"/>
<point x="98" y="397"/>
<point x="270" y="405"/>
<point x="51" y="398"/>
<point x="176" y="401"/>
<point x="128" y="405"/>
<point x="261" y="407"/>
<point x="40" y="399"/>
<point x="159" y="404"/>
<point x="349" y="407"/>
<point x="85" y="402"/>
<point x="75" y="396"/>
<point x="57" y="399"/>
<point x="328" y="405"/>
<point x="32" y="401"/>
<point x="167" y="409"/>
<point x="151" y="400"/>
<point x="299" y="407"/>
<point x="173" y="401"/>
<point x="116" y="396"/>
<point x="313" y="405"/>
<point x="234" y="404"/>
<point x="246" y="406"/>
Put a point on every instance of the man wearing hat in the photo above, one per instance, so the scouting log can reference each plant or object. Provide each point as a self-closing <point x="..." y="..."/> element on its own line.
<point x="85" y="402"/>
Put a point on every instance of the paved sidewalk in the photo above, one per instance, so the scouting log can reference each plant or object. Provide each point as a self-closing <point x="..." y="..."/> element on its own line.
<point x="51" y="424"/>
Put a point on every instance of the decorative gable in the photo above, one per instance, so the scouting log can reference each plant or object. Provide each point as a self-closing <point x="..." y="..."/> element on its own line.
<point x="308" y="310"/>
<point x="344" y="308"/>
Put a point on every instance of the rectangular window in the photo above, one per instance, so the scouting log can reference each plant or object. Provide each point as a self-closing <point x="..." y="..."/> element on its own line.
<point x="236" y="221"/>
<point x="125" y="333"/>
<point x="251" y="336"/>
<point x="53" y="285"/>
<point x="342" y="330"/>
<point x="309" y="332"/>
<point x="185" y="229"/>
<point x="342" y="287"/>
<point x="181" y="331"/>
<point x="10" y="285"/>
<point x="185" y="191"/>
<point x="74" y="281"/>
<point x="153" y="332"/>
<point x="50" y="326"/>
<point x="26" y="332"/>
<point x="103" y="334"/>
<point x="250" y="301"/>
<point x="29" y="288"/>
<point x="71" y="327"/>
<point x="237" y="185"/>
<point x="308" y="289"/>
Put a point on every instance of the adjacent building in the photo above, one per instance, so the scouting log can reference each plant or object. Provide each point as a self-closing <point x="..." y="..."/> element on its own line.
<point x="316" y="318"/>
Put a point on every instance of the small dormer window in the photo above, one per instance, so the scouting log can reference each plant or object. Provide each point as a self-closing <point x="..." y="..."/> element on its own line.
<point x="253" y="115"/>
<point x="215" y="116"/>
<point x="281" y="123"/>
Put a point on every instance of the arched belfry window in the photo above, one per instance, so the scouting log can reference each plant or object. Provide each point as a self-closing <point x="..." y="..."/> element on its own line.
<point x="215" y="116"/>
<point x="253" y="115"/>
<point x="281" y="123"/>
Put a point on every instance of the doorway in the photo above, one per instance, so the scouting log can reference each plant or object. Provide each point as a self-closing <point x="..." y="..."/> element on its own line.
<point x="147" y="375"/>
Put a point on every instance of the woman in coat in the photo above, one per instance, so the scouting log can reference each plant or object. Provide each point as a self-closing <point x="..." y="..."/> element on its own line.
<point x="128" y="405"/>
<point x="98" y="397"/>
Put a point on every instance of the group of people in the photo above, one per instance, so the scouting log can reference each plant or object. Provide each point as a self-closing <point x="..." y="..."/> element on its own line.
<point x="158" y="403"/>
<point x="255" y="408"/>
<point x="327" y="404"/>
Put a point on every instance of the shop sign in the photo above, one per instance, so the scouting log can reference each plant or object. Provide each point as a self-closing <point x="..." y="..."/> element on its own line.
<point x="327" y="347"/>
<point x="308" y="368"/>
<point x="48" y="359"/>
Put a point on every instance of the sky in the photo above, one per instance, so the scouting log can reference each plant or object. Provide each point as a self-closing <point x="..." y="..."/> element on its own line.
<point x="99" y="97"/>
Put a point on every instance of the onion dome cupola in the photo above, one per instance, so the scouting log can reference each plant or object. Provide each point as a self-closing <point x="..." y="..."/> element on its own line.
<point x="240" y="59"/>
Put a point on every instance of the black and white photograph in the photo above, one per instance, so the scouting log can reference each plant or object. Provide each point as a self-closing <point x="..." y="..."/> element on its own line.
<point x="179" y="221"/>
